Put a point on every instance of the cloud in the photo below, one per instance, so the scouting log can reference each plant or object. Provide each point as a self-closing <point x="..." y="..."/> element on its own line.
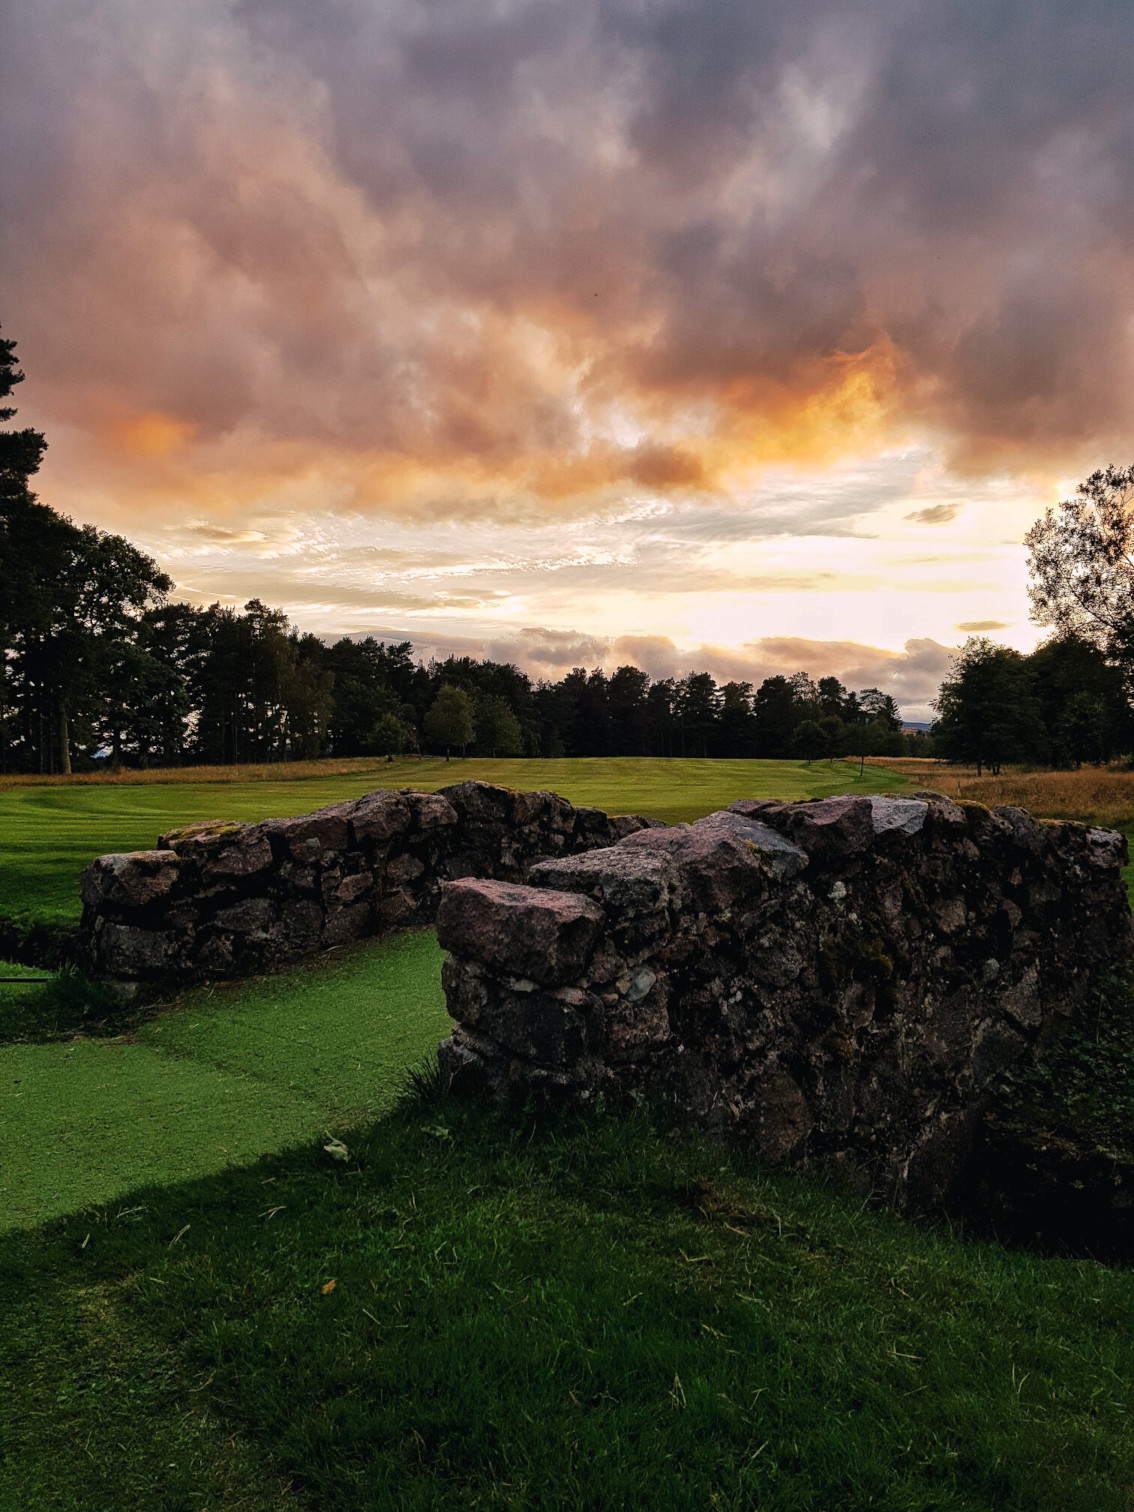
<point x="479" y="260"/>
<point x="221" y="535"/>
<point x="554" y="649"/>
<point x="935" y="514"/>
<point x="975" y="627"/>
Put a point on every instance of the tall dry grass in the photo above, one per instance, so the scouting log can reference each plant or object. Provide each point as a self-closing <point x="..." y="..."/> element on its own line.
<point x="1095" y="795"/>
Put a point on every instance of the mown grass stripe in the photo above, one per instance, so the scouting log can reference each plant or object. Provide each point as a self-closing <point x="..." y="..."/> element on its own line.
<point x="49" y="833"/>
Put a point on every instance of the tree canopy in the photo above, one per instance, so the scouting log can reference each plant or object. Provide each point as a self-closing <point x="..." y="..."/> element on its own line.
<point x="987" y="713"/>
<point x="1081" y="560"/>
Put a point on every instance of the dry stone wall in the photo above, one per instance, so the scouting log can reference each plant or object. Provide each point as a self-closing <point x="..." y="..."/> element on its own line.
<point x="217" y="900"/>
<point x="839" y="979"/>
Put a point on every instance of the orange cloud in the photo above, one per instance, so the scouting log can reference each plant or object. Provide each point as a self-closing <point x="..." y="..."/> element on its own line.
<point x="152" y="435"/>
<point x="577" y="250"/>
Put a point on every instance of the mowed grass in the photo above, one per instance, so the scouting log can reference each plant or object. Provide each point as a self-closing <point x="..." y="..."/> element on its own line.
<point x="475" y="1312"/>
<point x="51" y="830"/>
<point x="218" y="1078"/>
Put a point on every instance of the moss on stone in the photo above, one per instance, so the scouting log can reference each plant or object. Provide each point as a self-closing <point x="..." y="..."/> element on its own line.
<point x="858" y="954"/>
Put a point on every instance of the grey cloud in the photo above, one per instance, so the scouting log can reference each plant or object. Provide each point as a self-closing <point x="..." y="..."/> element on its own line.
<point x="221" y="535"/>
<point x="935" y="514"/>
<point x="323" y="223"/>
<point x="554" y="648"/>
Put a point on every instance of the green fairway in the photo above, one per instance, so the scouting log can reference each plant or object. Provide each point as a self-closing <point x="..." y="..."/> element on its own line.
<point x="49" y="833"/>
<point x="227" y="1074"/>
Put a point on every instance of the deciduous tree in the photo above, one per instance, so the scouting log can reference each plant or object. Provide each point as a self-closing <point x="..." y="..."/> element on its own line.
<point x="449" y="720"/>
<point x="1081" y="560"/>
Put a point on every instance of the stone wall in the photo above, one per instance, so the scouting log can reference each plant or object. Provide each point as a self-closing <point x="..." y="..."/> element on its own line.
<point x="230" y="899"/>
<point x="839" y="979"/>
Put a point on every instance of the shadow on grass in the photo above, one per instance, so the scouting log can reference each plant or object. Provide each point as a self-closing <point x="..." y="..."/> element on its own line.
<point x="456" y="1308"/>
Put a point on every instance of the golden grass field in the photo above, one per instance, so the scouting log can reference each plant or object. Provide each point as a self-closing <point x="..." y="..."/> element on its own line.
<point x="1095" y="795"/>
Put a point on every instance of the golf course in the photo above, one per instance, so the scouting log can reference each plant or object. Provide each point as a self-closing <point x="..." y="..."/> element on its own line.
<point x="252" y="1257"/>
<point x="229" y="1073"/>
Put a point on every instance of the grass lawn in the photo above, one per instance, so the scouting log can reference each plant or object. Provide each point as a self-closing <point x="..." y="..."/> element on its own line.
<point x="224" y="1075"/>
<point x="473" y="1310"/>
<point x="50" y="831"/>
<point x="477" y="1313"/>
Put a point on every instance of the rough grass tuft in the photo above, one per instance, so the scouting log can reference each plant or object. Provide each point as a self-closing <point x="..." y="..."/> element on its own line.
<point x="70" y="1003"/>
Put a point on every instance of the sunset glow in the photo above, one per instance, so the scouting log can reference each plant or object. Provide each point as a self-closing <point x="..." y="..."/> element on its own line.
<point x="744" y="337"/>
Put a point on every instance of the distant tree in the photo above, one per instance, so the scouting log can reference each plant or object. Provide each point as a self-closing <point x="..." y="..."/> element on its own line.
<point x="449" y="720"/>
<point x="550" y="716"/>
<point x="661" y="717"/>
<point x="387" y="736"/>
<point x="874" y="705"/>
<point x="594" y="728"/>
<point x="627" y="692"/>
<point x="809" y="740"/>
<point x="1081" y="560"/>
<point x="986" y="711"/>
<point x="697" y="706"/>
<point x="773" y="711"/>
<point x="834" y="735"/>
<point x="497" y="728"/>
<point x="806" y="702"/>
<point x="736" y="724"/>
<point x="72" y="607"/>
<point x="832" y="699"/>
<point x="858" y="741"/>
<point x="366" y="678"/>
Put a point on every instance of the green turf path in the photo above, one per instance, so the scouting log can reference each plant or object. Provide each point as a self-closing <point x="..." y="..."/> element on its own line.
<point x="221" y="1077"/>
<point x="49" y="834"/>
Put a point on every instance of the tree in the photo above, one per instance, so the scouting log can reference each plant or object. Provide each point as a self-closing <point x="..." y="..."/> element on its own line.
<point x="497" y="728"/>
<point x="832" y="698"/>
<point x="859" y="740"/>
<point x="698" y="704"/>
<point x="1068" y="670"/>
<point x="874" y="705"/>
<point x="834" y="733"/>
<point x="387" y="737"/>
<point x="773" y="708"/>
<point x="1082" y="566"/>
<point x="627" y="692"/>
<point x="986" y="712"/>
<point x="661" y="718"/>
<point x="736" y="727"/>
<point x="1081" y="731"/>
<point x="364" y="694"/>
<point x="809" y="740"/>
<point x="449" y="720"/>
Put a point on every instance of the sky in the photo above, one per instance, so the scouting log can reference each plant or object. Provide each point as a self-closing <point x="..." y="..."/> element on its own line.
<point x="737" y="335"/>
